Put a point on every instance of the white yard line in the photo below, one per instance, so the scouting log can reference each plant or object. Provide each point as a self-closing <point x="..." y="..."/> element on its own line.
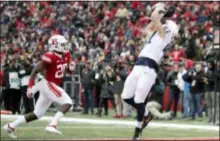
<point x="74" y="127"/>
<point x="127" y="123"/>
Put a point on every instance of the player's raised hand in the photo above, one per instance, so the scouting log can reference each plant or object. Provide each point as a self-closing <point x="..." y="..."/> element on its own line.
<point x="159" y="11"/>
<point x="159" y="5"/>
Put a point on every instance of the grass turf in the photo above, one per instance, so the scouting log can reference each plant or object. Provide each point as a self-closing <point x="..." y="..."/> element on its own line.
<point x="35" y="130"/>
<point x="197" y="121"/>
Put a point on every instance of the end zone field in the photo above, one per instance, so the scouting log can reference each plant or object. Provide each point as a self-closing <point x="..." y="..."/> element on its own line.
<point x="105" y="129"/>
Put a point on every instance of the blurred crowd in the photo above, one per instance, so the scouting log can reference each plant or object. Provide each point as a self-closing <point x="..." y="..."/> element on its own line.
<point x="105" y="39"/>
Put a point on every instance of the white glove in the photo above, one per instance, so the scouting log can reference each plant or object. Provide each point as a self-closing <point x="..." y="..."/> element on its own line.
<point x="72" y="66"/>
<point x="29" y="93"/>
<point x="159" y="5"/>
<point x="157" y="9"/>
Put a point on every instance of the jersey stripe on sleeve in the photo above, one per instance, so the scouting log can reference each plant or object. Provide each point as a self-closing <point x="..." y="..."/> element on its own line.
<point x="46" y="59"/>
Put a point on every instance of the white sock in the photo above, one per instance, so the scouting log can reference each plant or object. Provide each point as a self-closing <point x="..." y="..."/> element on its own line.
<point x="17" y="122"/>
<point x="56" y="118"/>
<point x="139" y="124"/>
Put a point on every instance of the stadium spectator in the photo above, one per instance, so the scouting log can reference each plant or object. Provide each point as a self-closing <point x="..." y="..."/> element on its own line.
<point x="210" y="90"/>
<point x="217" y="73"/>
<point x="121" y="74"/>
<point x="24" y="74"/>
<point x="176" y="54"/>
<point x="88" y="80"/>
<point x="1" y="86"/>
<point x="107" y="91"/>
<point x="98" y="84"/>
<point x="187" y="97"/>
<point x="180" y="83"/>
<point x="12" y="91"/>
<point x="196" y="78"/>
<point x="174" y="92"/>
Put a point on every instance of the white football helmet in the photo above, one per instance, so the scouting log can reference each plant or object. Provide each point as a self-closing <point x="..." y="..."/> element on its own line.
<point x="173" y="27"/>
<point x="58" y="43"/>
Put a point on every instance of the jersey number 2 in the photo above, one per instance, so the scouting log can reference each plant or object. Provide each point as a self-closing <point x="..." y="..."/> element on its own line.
<point x="60" y="70"/>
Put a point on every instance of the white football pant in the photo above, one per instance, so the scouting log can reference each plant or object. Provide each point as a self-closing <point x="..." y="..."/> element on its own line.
<point x="138" y="83"/>
<point x="49" y="92"/>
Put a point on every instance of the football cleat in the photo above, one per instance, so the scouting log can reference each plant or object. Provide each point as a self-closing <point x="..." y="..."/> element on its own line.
<point x="53" y="129"/>
<point x="11" y="132"/>
<point x="137" y="134"/>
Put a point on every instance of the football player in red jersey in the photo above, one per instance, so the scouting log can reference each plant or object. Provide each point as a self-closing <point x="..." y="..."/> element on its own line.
<point x="54" y="64"/>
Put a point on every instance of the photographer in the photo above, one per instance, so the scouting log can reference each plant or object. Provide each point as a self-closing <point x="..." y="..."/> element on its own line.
<point x="88" y="80"/>
<point x="121" y="74"/>
<point x="155" y="100"/>
<point x="217" y="74"/>
<point x="210" y="89"/>
<point x="197" y="79"/>
<point x="107" y="80"/>
<point x="12" y="93"/>
<point x="1" y="86"/>
<point x="98" y="84"/>
<point x="24" y="74"/>
<point x="172" y="82"/>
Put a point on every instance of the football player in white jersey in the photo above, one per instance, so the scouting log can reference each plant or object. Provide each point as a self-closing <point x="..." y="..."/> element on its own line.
<point x="140" y="81"/>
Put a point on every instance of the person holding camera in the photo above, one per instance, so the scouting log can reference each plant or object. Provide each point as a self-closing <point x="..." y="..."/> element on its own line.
<point x="12" y="96"/>
<point x="88" y="80"/>
<point x="24" y="75"/>
<point x="172" y="82"/>
<point x="1" y="86"/>
<point x="217" y="75"/>
<point x="210" y="89"/>
<point x="107" y="80"/>
<point x="197" y="79"/>
<point x="121" y="74"/>
<point x="98" y="69"/>
<point x="155" y="100"/>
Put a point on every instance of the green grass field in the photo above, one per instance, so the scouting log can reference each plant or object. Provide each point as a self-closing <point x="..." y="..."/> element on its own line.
<point x="35" y="130"/>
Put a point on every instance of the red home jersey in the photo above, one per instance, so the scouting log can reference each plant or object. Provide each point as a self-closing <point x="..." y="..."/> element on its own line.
<point x="56" y="66"/>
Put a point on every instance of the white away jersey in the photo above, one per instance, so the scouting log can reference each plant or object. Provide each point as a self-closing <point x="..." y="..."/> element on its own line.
<point x="155" y="45"/>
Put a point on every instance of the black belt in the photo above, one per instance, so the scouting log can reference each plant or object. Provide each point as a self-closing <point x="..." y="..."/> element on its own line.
<point x="144" y="61"/>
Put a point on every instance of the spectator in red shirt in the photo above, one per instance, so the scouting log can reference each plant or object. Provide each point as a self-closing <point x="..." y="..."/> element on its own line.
<point x="176" y="54"/>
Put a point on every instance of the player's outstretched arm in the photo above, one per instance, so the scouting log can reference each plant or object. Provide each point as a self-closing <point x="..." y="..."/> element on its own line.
<point x="147" y="31"/>
<point x="156" y="16"/>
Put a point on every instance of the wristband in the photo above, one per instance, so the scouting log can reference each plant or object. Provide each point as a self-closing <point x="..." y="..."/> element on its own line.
<point x="31" y="83"/>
